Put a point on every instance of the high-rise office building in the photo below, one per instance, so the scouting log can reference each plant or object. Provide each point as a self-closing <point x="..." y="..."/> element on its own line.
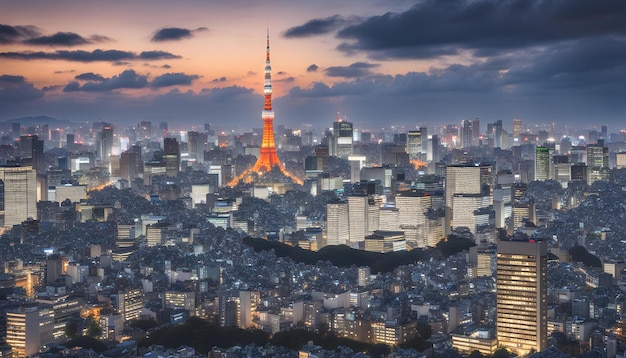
<point x="517" y="127"/>
<point x="19" y="188"/>
<point x="131" y="164"/>
<point x="522" y="295"/>
<point x="597" y="156"/>
<point x="129" y="302"/>
<point x="171" y="156"/>
<point x="145" y="129"/>
<point x="196" y="145"/>
<point x="467" y="133"/>
<point x="412" y="207"/>
<point x="543" y="158"/>
<point x="475" y="131"/>
<point x="435" y="149"/>
<point x="414" y="147"/>
<point x="342" y="142"/>
<point x="31" y="153"/>
<point x="28" y="328"/>
<point x="357" y="214"/>
<point x="470" y="211"/>
<point x="337" y="228"/>
<point x="70" y="143"/>
<point x="105" y="142"/>
<point x="466" y="179"/>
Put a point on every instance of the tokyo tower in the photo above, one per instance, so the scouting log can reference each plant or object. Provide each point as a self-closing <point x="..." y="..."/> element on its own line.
<point x="268" y="158"/>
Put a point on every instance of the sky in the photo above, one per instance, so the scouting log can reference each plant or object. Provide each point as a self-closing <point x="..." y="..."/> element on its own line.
<point x="378" y="63"/>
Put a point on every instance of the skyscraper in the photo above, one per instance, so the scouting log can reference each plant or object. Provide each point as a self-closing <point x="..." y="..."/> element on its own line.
<point x="414" y="145"/>
<point x="543" y="159"/>
<point x="342" y="143"/>
<point x="522" y="295"/>
<point x="31" y="153"/>
<point x="466" y="133"/>
<point x="171" y="156"/>
<point x="337" y="232"/>
<point x="18" y="186"/>
<point x="517" y="127"/>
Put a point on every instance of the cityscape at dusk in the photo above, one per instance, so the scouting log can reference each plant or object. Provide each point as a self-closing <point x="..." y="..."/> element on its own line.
<point x="356" y="179"/>
<point x="402" y="62"/>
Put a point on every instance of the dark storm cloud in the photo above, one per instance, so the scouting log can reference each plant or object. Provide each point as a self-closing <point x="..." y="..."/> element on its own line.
<point x="593" y="66"/>
<point x="11" y="34"/>
<point x="174" y="34"/>
<point x="433" y="27"/>
<point x="357" y="69"/>
<point x="127" y="79"/>
<point x="68" y="39"/>
<point x="315" y="27"/>
<point x="312" y="68"/>
<point x="86" y="56"/>
<point x="17" y="89"/>
<point x="90" y="76"/>
<point x="173" y="79"/>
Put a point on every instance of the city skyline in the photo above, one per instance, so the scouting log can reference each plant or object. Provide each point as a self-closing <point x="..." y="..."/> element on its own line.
<point x="400" y="63"/>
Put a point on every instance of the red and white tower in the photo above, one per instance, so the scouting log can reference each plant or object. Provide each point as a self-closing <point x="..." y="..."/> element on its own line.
<point x="268" y="158"/>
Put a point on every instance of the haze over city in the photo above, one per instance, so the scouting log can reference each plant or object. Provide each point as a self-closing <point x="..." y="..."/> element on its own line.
<point x="397" y="62"/>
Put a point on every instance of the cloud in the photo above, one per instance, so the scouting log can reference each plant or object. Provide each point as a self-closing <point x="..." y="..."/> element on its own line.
<point x="174" y="34"/>
<point x="90" y="76"/>
<point x="433" y="28"/>
<point x="220" y="79"/>
<point x="166" y="66"/>
<point x="357" y="69"/>
<point x="12" y="34"/>
<point x="312" y="68"/>
<point x="15" y="89"/>
<point x="127" y="79"/>
<point x="173" y="79"/>
<point x="87" y="56"/>
<point x="68" y="39"/>
<point x="157" y="55"/>
<point x="315" y="27"/>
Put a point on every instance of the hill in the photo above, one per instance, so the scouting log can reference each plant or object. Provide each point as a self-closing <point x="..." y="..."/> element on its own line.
<point x="41" y="120"/>
<point x="344" y="256"/>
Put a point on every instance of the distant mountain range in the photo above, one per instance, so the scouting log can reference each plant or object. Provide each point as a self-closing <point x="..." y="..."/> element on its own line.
<point x="41" y="120"/>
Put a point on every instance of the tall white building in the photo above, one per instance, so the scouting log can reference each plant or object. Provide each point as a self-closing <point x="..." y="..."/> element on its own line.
<point x="358" y="209"/>
<point x="465" y="179"/>
<point x="412" y="207"/>
<point x="337" y="226"/>
<point x="470" y="210"/>
<point x="415" y="145"/>
<point x="522" y="295"/>
<point x="20" y="194"/>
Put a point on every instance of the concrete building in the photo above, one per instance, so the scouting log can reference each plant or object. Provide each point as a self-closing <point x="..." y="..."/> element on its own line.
<point x="19" y="185"/>
<point x="337" y="227"/>
<point x="522" y="295"/>
<point x="28" y="328"/>
<point x="358" y="210"/>
<point x="385" y="241"/>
